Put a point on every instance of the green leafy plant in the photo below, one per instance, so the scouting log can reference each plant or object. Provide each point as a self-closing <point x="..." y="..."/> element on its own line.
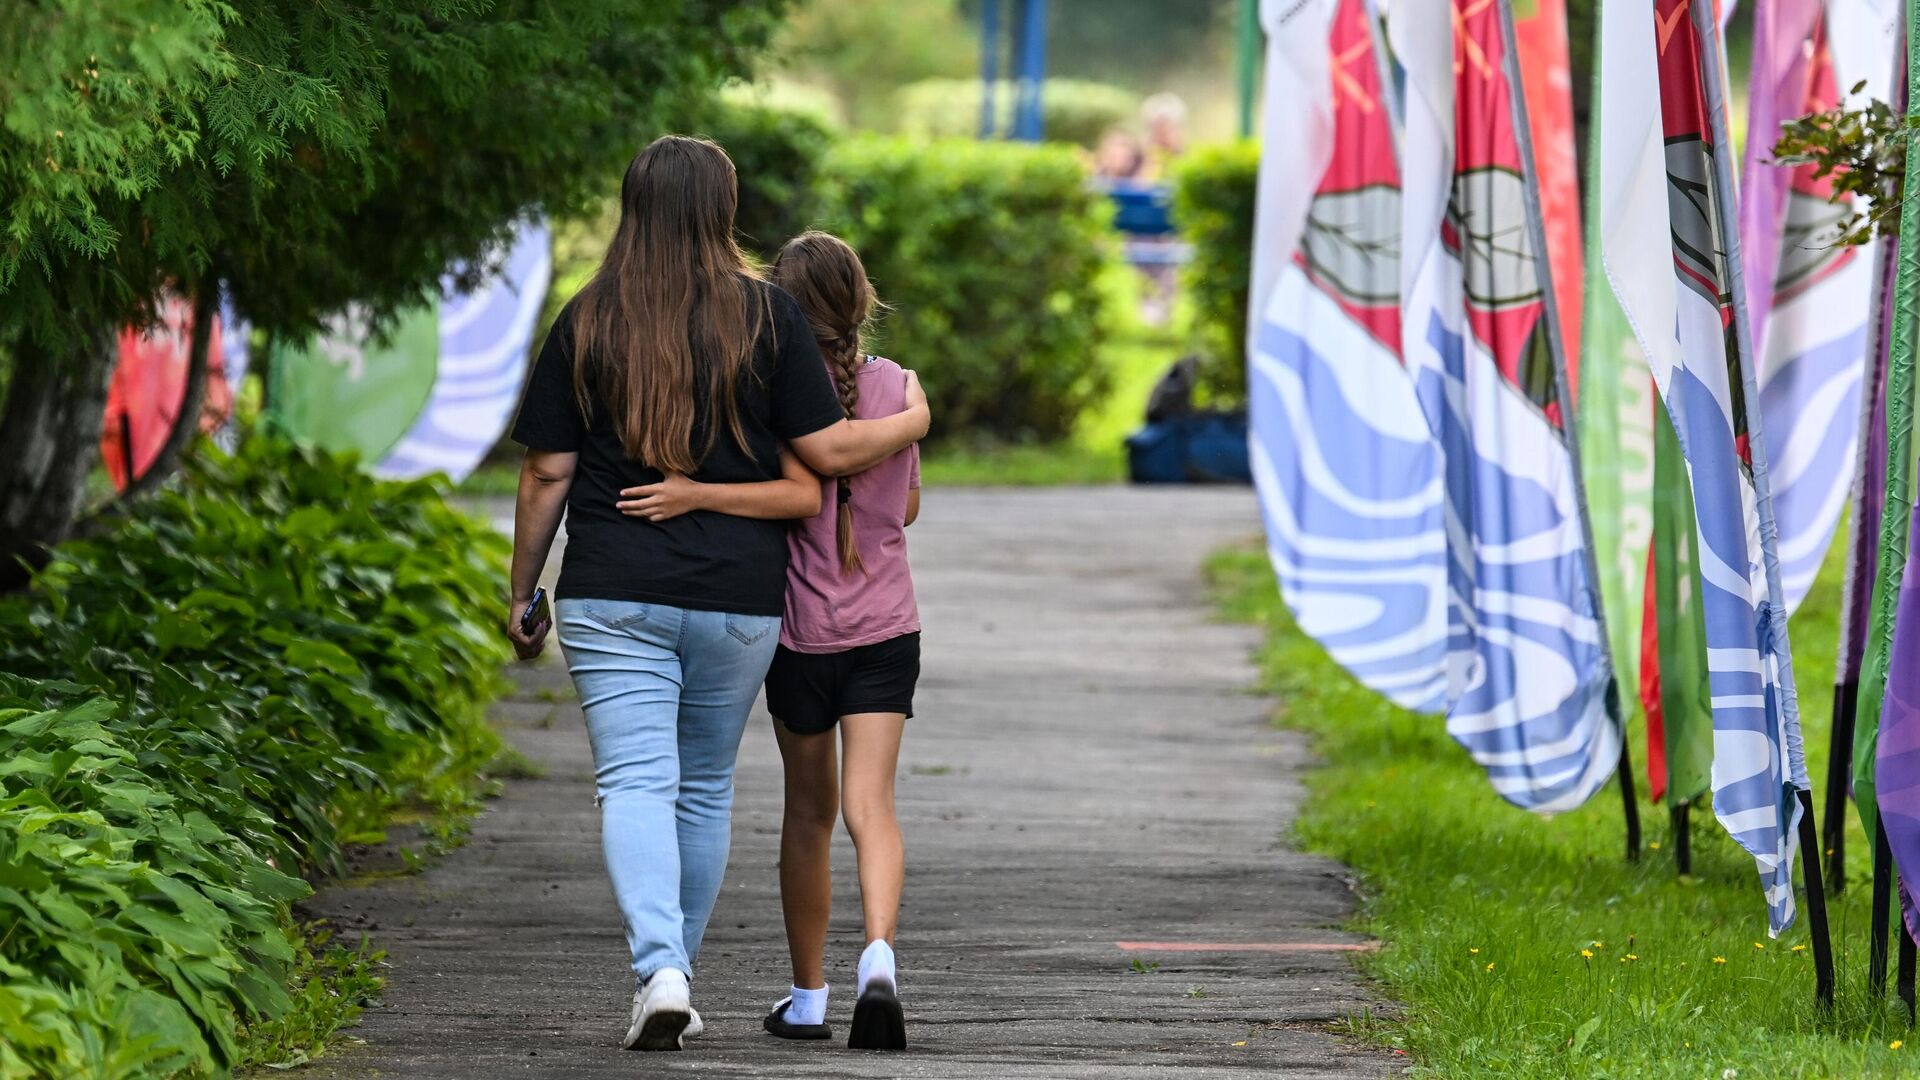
<point x="201" y="702"/>
<point x="1213" y="197"/>
<point x="990" y="255"/>
<point x="1864" y="153"/>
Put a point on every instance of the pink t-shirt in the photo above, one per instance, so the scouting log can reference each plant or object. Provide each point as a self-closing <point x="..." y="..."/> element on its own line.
<point x="830" y="610"/>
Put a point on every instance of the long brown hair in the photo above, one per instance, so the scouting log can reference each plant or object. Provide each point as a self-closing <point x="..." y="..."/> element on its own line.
<point x="825" y="275"/>
<point x="670" y="312"/>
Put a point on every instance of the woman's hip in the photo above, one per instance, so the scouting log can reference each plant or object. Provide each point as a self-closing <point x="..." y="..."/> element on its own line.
<point x="613" y="645"/>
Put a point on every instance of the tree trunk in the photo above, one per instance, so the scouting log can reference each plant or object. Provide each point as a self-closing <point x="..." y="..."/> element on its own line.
<point x="49" y="440"/>
<point x="186" y="424"/>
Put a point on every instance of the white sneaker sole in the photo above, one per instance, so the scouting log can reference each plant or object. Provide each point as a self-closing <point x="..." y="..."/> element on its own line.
<point x="661" y="1031"/>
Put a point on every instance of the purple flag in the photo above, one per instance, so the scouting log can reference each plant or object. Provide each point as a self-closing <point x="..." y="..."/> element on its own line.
<point x="1782" y="72"/>
<point x="1897" y="766"/>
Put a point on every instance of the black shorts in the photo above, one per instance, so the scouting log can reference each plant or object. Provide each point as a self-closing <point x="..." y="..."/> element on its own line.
<point x="809" y="692"/>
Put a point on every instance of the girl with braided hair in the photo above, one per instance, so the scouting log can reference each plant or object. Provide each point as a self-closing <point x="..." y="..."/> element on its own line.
<point x="849" y="657"/>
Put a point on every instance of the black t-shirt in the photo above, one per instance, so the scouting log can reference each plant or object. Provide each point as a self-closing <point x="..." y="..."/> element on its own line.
<point x="703" y="560"/>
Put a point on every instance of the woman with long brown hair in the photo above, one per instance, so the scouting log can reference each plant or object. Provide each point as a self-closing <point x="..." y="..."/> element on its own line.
<point x="675" y="366"/>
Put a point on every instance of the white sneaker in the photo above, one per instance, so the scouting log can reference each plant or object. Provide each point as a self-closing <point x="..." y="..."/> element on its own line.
<point x="694" y="1026"/>
<point x="662" y="1012"/>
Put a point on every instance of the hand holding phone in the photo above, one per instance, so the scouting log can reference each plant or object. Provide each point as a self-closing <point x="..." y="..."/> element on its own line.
<point x="529" y="629"/>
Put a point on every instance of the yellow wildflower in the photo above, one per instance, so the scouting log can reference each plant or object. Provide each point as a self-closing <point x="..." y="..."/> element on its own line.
<point x="1473" y="952"/>
<point x="1489" y="969"/>
<point x="1757" y="945"/>
<point x="1586" y="954"/>
<point x="1895" y="1044"/>
<point x="1719" y="959"/>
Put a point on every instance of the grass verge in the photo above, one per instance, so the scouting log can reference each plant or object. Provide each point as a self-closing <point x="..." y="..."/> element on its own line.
<point x="1527" y="947"/>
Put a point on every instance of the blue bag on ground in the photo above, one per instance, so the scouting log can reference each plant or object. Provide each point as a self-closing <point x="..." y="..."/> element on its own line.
<point x="1184" y="445"/>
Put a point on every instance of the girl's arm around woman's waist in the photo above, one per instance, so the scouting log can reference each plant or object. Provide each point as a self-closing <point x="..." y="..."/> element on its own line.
<point x="795" y="495"/>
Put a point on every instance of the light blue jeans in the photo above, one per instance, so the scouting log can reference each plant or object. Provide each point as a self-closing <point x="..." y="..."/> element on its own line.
<point x="666" y="692"/>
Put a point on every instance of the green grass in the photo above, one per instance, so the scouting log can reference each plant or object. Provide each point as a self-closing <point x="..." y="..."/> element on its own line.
<point x="1484" y="910"/>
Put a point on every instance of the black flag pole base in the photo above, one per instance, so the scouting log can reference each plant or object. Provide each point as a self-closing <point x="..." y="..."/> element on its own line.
<point x="1905" y="978"/>
<point x="1882" y="901"/>
<point x="1629" y="803"/>
<point x="1833" y="826"/>
<point x="1678" y="814"/>
<point x="1816" y="903"/>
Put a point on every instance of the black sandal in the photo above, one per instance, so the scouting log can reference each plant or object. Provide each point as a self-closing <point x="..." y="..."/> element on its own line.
<point x="878" y="1023"/>
<point x="776" y="1023"/>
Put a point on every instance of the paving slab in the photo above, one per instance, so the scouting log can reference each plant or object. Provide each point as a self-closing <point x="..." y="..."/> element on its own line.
<point x="1095" y="811"/>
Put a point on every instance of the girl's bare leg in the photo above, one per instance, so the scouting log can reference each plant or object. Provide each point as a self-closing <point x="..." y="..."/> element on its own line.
<point x="872" y="752"/>
<point x="806" y="842"/>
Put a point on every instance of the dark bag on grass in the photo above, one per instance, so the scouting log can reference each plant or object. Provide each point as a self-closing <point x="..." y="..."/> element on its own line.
<point x="1184" y="445"/>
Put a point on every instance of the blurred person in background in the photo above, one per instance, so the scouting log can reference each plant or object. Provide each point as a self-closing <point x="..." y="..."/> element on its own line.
<point x="1120" y="156"/>
<point x="671" y="382"/>
<point x="1164" y="116"/>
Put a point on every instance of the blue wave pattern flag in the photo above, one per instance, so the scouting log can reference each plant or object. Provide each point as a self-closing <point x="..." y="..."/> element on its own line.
<point x="1665" y="227"/>
<point x="484" y="336"/>
<point x="1529" y="677"/>
<point x="1347" y="472"/>
<point x="1808" y="296"/>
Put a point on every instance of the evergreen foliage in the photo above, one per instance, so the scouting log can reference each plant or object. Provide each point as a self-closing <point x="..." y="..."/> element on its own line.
<point x="305" y="156"/>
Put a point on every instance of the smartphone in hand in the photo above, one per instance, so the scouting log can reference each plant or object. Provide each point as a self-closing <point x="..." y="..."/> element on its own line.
<point x="539" y="614"/>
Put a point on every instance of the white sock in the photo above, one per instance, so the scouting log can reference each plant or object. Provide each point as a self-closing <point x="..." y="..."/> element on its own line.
<point x="877" y="963"/>
<point x="808" y="1006"/>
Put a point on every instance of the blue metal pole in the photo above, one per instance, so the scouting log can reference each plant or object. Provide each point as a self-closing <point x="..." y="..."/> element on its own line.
<point x="1028" y="125"/>
<point x="989" y="68"/>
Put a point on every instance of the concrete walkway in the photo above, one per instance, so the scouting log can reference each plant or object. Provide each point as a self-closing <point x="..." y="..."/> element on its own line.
<point x="1087" y="773"/>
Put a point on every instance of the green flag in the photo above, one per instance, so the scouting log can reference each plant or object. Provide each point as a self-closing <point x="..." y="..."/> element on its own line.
<point x="1894" y="519"/>
<point x="1616" y="446"/>
<point x="1686" y="709"/>
<point x="345" y="391"/>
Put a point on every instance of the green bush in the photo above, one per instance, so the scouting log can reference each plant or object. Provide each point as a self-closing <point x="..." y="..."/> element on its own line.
<point x="990" y="254"/>
<point x="1071" y="110"/>
<point x="777" y="153"/>
<point x="203" y="700"/>
<point x="1213" y="197"/>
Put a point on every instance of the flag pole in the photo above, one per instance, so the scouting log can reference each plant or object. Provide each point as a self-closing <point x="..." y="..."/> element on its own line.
<point x="1708" y="30"/>
<point x="1905" y="981"/>
<point x="1563" y="397"/>
<point x="1882" y="899"/>
<point x="1839" y="769"/>
<point x="1682" y="838"/>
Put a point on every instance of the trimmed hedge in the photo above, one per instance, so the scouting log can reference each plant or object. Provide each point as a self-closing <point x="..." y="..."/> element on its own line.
<point x="1215" y="188"/>
<point x="777" y="153"/>
<point x="1071" y="110"/>
<point x="200" y="702"/>
<point x="990" y="255"/>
